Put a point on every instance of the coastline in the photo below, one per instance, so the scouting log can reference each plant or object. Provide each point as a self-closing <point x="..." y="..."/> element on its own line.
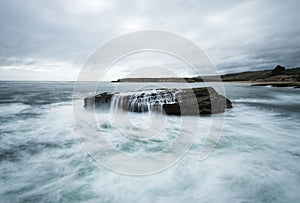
<point x="268" y="83"/>
<point x="277" y="77"/>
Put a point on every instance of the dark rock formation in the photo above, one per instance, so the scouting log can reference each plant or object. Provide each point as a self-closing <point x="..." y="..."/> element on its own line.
<point x="207" y="100"/>
<point x="194" y="101"/>
<point x="98" y="101"/>
<point x="279" y="84"/>
<point x="278" y="70"/>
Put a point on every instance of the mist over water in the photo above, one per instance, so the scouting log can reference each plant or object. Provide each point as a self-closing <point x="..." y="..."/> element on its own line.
<point x="41" y="158"/>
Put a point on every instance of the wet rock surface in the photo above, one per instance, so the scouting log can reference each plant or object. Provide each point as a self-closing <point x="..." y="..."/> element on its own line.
<point x="193" y="101"/>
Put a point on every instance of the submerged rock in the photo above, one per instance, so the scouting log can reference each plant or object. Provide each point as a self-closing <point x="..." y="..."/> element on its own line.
<point x="193" y="101"/>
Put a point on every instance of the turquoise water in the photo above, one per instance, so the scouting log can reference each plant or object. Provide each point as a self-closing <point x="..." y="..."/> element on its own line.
<point x="41" y="158"/>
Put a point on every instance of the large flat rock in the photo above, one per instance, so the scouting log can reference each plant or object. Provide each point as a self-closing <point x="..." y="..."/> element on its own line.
<point x="193" y="101"/>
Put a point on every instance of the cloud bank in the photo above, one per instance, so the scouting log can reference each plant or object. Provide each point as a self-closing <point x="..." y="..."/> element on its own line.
<point x="58" y="36"/>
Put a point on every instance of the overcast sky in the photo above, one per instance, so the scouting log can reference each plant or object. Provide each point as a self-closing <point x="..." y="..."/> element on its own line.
<point x="51" y="39"/>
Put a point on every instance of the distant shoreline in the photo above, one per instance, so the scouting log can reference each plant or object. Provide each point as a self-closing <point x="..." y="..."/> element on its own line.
<point x="277" y="77"/>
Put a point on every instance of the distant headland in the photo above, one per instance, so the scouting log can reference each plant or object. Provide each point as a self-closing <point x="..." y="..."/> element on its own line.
<point x="279" y="77"/>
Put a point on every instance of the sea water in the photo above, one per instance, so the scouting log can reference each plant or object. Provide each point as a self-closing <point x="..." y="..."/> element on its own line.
<point x="256" y="159"/>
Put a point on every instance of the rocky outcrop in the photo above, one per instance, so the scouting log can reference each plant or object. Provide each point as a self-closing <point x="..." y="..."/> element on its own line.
<point x="204" y="100"/>
<point x="100" y="100"/>
<point x="279" y="84"/>
<point x="278" y="70"/>
<point x="208" y="100"/>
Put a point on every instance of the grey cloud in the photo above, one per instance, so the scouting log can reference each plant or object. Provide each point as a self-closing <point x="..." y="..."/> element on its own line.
<point x="236" y="35"/>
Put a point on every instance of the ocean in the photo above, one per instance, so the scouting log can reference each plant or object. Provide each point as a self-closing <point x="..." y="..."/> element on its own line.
<point x="43" y="159"/>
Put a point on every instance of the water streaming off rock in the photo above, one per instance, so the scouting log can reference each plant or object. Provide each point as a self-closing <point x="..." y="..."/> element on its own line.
<point x="143" y="101"/>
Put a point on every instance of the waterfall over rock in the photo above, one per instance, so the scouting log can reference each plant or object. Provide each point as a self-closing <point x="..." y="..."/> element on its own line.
<point x="151" y="100"/>
<point x="204" y="100"/>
